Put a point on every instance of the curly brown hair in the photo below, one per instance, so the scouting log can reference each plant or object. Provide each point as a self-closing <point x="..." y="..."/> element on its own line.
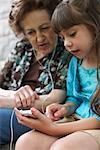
<point x="20" y="8"/>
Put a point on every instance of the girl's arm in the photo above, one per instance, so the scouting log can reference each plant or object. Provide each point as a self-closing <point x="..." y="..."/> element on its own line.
<point x="45" y="125"/>
<point x="83" y="124"/>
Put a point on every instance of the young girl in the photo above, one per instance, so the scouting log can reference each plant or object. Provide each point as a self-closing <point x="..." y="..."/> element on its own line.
<point x="78" y="23"/>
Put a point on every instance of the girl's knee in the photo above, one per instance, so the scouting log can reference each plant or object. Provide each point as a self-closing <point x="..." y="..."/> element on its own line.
<point x="30" y="140"/>
<point x="24" y="141"/>
<point x="58" y="146"/>
<point x="21" y="142"/>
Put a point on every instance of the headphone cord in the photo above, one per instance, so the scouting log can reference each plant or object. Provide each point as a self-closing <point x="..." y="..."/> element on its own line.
<point x="11" y="129"/>
<point x="50" y="75"/>
<point x="49" y="65"/>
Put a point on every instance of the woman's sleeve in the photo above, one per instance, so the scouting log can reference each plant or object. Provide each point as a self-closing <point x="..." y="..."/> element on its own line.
<point x="6" y="71"/>
<point x="61" y="70"/>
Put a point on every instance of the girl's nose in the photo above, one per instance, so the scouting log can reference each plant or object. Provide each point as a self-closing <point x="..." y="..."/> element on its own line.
<point x="67" y="43"/>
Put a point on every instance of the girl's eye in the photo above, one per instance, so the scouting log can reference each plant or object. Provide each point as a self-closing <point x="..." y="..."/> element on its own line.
<point x="72" y="34"/>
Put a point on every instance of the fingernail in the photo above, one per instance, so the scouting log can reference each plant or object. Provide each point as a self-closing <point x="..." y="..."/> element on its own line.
<point x="15" y="108"/>
<point x="56" y="115"/>
<point x="33" y="109"/>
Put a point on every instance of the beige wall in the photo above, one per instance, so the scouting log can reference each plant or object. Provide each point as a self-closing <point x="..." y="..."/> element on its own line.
<point x="7" y="37"/>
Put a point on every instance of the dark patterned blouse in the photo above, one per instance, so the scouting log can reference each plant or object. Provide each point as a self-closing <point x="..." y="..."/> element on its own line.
<point x="22" y="68"/>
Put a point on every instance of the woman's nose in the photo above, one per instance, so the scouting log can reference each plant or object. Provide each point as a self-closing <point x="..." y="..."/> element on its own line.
<point x="39" y="36"/>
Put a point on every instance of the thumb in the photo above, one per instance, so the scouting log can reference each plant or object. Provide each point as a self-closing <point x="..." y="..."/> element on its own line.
<point x="37" y="114"/>
<point x="60" y="113"/>
<point x="36" y="95"/>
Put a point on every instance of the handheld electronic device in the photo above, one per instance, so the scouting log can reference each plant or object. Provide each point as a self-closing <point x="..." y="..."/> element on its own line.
<point x="26" y="113"/>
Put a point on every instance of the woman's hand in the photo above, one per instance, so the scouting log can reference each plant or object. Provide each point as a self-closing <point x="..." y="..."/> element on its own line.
<point x="37" y="121"/>
<point x="56" y="111"/>
<point x="25" y="97"/>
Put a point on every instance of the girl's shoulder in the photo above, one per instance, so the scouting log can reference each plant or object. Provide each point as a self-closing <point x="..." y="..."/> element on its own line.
<point x="73" y="62"/>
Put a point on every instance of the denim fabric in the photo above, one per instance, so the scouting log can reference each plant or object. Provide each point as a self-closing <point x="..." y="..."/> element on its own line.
<point x="5" y="126"/>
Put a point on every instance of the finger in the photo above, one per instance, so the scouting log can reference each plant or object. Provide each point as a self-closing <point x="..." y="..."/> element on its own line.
<point x="18" y="101"/>
<point x="36" y="113"/>
<point x="31" y="95"/>
<point x="38" y="123"/>
<point x="23" y="120"/>
<point x="28" y="94"/>
<point x="50" y="111"/>
<point x="18" y="114"/>
<point x="25" y="94"/>
<point x="60" y="113"/>
<point x="23" y="98"/>
<point x="36" y="95"/>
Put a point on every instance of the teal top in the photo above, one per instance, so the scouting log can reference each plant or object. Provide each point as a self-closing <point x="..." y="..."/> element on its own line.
<point x="81" y="85"/>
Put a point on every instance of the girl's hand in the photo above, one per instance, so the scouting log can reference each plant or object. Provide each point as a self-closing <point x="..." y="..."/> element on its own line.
<point x="38" y="121"/>
<point x="56" y="111"/>
<point x="25" y="97"/>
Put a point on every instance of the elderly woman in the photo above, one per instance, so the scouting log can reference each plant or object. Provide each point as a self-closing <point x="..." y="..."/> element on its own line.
<point x="35" y="72"/>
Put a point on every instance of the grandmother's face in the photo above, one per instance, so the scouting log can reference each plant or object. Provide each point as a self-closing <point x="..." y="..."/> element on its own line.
<point x="37" y="28"/>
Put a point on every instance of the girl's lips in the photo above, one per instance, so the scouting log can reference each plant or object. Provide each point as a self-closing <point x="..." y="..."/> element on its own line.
<point x="75" y="52"/>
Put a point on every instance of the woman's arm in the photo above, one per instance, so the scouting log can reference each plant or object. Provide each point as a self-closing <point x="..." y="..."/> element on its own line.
<point x="55" y="96"/>
<point x="7" y="99"/>
<point x="25" y="97"/>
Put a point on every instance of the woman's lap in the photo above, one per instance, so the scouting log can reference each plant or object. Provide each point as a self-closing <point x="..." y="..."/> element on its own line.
<point x="5" y="126"/>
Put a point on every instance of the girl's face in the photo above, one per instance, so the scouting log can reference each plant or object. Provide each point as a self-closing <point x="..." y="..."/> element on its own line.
<point x="37" y="28"/>
<point x="79" y="40"/>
